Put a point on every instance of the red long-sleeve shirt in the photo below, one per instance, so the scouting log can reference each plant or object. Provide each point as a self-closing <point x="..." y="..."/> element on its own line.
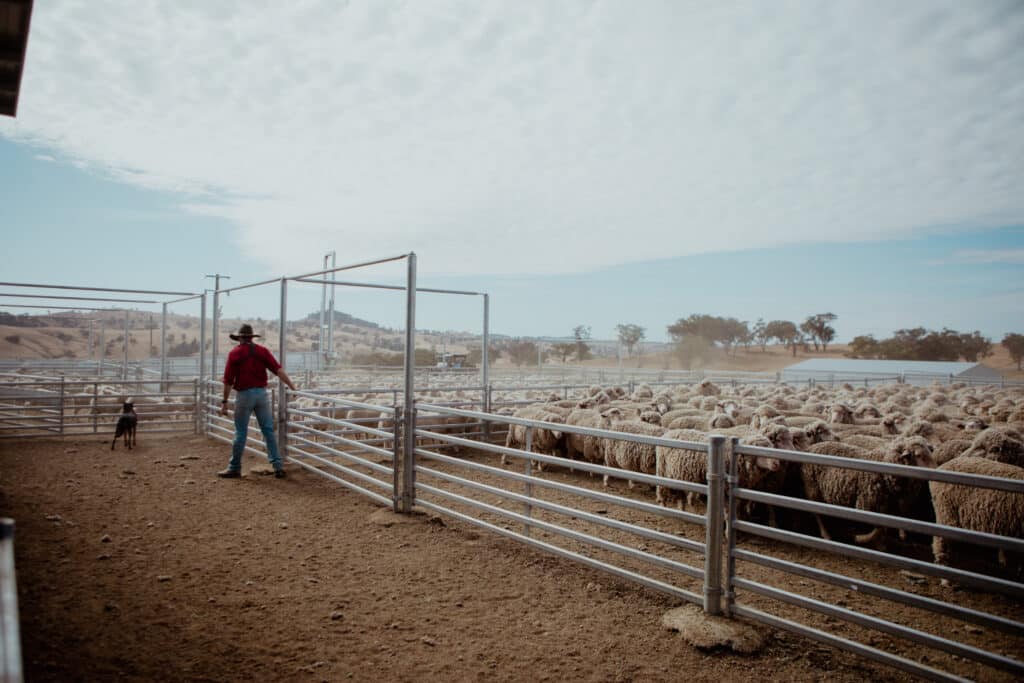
<point x="247" y="366"/>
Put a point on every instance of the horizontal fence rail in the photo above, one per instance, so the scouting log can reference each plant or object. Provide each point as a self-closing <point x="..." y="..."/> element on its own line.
<point x="738" y="586"/>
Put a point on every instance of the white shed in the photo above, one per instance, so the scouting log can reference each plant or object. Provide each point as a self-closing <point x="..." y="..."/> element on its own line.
<point x="874" y="371"/>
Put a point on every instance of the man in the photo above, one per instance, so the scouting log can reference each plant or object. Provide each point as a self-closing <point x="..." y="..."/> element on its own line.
<point x="246" y="371"/>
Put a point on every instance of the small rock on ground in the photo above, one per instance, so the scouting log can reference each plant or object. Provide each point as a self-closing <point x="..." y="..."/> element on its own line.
<point x="708" y="633"/>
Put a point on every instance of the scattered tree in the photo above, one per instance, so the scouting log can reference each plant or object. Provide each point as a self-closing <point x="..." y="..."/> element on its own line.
<point x="713" y="329"/>
<point x="1014" y="343"/>
<point x="581" y="333"/>
<point x="917" y="343"/>
<point x="760" y="334"/>
<point x="630" y="336"/>
<point x="786" y="332"/>
<point x="522" y="352"/>
<point x="563" y="350"/>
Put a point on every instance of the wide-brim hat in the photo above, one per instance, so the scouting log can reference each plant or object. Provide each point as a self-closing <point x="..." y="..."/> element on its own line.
<point x="244" y="332"/>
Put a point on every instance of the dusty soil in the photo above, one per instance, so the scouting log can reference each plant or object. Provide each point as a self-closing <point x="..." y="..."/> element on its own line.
<point x="144" y="566"/>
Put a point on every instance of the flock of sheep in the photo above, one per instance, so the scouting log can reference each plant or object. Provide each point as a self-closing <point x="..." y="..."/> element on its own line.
<point x="956" y="428"/>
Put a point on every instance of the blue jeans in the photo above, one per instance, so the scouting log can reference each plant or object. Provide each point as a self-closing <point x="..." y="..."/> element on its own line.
<point x="247" y="402"/>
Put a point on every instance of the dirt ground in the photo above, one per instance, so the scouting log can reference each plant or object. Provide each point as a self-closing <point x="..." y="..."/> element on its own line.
<point x="143" y="566"/>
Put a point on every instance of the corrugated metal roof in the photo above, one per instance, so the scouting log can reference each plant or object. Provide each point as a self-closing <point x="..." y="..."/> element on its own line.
<point x="889" y="367"/>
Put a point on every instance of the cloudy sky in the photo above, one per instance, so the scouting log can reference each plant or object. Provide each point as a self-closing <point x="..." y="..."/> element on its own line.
<point x="585" y="162"/>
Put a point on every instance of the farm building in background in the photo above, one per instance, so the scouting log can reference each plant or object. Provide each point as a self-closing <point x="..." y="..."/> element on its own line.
<point x="917" y="372"/>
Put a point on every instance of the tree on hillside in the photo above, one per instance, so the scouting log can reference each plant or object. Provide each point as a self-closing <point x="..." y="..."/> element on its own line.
<point x="818" y="329"/>
<point x="1014" y="343"/>
<point x="713" y="329"/>
<point x="863" y="346"/>
<point x="786" y="332"/>
<point x="522" y="352"/>
<point x="974" y="347"/>
<point x="581" y="333"/>
<point x="760" y="335"/>
<point x="807" y="330"/>
<point x="630" y="336"/>
<point x="563" y="350"/>
<point x="917" y="343"/>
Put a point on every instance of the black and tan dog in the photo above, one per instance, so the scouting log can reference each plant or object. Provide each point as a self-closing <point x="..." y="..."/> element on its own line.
<point x="126" y="425"/>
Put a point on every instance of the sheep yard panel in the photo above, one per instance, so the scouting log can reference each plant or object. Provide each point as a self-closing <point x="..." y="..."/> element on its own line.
<point x="33" y="407"/>
<point x="950" y="628"/>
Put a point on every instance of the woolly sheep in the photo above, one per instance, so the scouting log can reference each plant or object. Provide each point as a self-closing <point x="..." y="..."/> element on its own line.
<point x="978" y="509"/>
<point x="1000" y="444"/>
<point x="685" y="422"/>
<point x="865" y="441"/>
<point x="947" y="450"/>
<point x="819" y="431"/>
<point x="600" y="398"/>
<point x="630" y="455"/>
<point x="869" y="491"/>
<point x="720" y="421"/>
<point x="840" y="414"/>
<point x="708" y="388"/>
<point x="587" y="447"/>
<point x="544" y="440"/>
<point x="691" y="466"/>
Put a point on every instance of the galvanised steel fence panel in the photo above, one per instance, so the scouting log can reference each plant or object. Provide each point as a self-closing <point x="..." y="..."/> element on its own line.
<point x="351" y="442"/>
<point x="31" y="407"/>
<point x="480" y="492"/>
<point x="947" y="642"/>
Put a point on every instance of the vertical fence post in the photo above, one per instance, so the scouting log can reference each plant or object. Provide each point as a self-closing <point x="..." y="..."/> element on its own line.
<point x="397" y="449"/>
<point x="528" y="487"/>
<point x="195" y="405"/>
<point x="732" y="482"/>
<point x="10" y="646"/>
<point x="61" y="413"/>
<point x="408" y="478"/>
<point x="95" y="406"/>
<point x="713" y="539"/>
<point x="124" y="361"/>
<point x="282" y="404"/>
<point x="202" y="364"/>
<point x="163" y="347"/>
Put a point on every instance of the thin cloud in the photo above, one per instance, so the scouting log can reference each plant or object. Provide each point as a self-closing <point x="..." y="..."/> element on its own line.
<point x="984" y="257"/>
<point x="540" y="137"/>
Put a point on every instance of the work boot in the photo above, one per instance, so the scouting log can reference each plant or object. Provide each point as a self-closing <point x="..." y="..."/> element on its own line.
<point x="280" y="474"/>
<point x="230" y="474"/>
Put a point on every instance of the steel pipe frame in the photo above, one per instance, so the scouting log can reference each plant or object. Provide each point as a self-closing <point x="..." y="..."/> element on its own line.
<point x="856" y="648"/>
<point x="940" y="571"/>
<point x="338" y="480"/>
<point x="567" y="554"/>
<point x="877" y="590"/>
<point x="924" y="473"/>
<point x="587" y="539"/>
<point x="570" y="429"/>
<point x="609" y="498"/>
<point x="354" y="459"/>
<point x="643" y="532"/>
<point x="339" y="439"/>
<point x="881" y="519"/>
<point x="884" y="626"/>
<point x="96" y="289"/>
<point x="10" y="638"/>
<point x="394" y="288"/>
<point x="76" y="298"/>
<point x="650" y="479"/>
